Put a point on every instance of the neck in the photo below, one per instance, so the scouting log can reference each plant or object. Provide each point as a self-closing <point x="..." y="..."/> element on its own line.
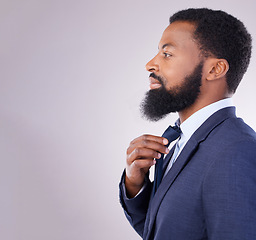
<point x="186" y="113"/>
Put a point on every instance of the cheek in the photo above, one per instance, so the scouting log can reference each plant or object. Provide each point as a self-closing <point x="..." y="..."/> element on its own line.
<point x="175" y="72"/>
<point x="174" y="76"/>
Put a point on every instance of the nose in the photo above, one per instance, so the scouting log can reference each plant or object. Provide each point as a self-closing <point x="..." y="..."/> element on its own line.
<point x="152" y="65"/>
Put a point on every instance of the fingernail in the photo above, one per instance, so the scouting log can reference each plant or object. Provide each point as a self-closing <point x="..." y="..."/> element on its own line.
<point x="165" y="141"/>
<point x="167" y="150"/>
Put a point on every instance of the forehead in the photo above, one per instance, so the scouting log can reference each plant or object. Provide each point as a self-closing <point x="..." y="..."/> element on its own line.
<point x="178" y="35"/>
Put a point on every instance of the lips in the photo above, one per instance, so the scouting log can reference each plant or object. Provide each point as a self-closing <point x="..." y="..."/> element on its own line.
<point x="154" y="84"/>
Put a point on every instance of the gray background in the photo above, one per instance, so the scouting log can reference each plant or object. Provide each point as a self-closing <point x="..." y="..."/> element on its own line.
<point x="72" y="76"/>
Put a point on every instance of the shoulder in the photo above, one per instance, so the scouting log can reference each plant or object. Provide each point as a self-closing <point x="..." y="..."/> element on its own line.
<point x="232" y="148"/>
<point x="229" y="149"/>
<point x="233" y="131"/>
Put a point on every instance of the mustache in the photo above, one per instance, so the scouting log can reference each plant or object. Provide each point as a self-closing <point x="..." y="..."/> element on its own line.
<point x="158" y="78"/>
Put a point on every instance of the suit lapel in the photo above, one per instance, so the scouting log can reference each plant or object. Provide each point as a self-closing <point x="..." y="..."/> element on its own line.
<point x="182" y="160"/>
<point x="168" y="180"/>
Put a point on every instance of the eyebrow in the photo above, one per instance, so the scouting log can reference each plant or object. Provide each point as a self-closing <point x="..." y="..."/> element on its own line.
<point x="167" y="45"/>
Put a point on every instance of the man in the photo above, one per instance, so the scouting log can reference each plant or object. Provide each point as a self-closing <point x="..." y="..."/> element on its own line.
<point x="208" y="188"/>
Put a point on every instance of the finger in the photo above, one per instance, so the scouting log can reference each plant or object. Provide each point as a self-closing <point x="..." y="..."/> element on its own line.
<point x="148" y="144"/>
<point x="147" y="137"/>
<point x="143" y="163"/>
<point x="141" y="153"/>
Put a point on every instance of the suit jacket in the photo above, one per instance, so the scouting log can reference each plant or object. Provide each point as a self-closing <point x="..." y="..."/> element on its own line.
<point x="210" y="191"/>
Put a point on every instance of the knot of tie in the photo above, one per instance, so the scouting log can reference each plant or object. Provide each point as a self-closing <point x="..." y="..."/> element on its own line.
<point x="171" y="133"/>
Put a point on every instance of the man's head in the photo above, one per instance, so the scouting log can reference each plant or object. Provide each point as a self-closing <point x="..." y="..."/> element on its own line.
<point x="202" y="54"/>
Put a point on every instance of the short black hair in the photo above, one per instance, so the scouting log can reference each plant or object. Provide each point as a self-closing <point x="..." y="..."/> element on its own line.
<point x="221" y="35"/>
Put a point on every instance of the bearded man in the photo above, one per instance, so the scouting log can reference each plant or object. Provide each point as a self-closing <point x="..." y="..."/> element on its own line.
<point x="204" y="186"/>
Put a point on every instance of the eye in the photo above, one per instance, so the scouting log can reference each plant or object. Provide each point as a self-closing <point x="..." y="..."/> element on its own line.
<point x="167" y="55"/>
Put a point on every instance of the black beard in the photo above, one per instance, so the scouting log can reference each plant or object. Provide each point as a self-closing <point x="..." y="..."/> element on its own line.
<point x="160" y="102"/>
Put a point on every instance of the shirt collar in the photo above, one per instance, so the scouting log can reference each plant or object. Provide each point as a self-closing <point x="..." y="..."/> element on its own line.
<point x="190" y="125"/>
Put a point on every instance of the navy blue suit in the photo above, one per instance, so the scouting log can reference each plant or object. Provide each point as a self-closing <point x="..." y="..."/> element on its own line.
<point x="210" y="191"/>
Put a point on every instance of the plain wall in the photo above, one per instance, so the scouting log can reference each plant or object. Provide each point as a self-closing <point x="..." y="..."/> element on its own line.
<point x="72" y="76"/>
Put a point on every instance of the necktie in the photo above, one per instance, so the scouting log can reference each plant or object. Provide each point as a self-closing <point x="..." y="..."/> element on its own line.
<point x="171" y="133"/>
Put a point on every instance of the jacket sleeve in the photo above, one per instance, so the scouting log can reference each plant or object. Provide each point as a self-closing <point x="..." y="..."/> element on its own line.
<point x="135" y="209"/>
<point x="229" y="194"/>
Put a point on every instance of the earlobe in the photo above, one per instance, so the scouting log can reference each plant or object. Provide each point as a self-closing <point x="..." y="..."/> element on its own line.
<point x="218" y="69"/>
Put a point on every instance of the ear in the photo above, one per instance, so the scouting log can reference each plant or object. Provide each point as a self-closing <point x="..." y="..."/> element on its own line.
<point x="217" y="68"/>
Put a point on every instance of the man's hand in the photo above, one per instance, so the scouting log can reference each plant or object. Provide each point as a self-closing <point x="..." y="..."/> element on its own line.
<point x="141" y="155"/>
